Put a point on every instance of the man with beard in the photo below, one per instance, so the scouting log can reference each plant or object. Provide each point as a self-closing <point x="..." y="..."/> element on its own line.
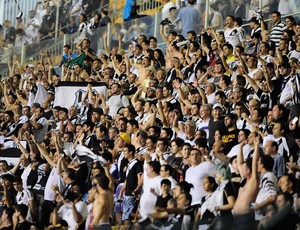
<point x="230" y="136"/>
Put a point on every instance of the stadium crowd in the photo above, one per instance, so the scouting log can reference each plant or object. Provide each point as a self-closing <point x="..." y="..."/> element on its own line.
<point x="202" y="135"/>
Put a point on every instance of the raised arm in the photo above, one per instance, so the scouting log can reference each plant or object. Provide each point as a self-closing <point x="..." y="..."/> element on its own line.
<point x="256" y="156"/>
<point x="251" y="82"/>
<point x="43" y="152"/>
<point x="240" y="157"/>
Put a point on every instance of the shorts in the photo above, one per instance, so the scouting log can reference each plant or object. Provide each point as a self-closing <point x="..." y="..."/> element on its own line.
<point x="128" y="206"/>
<point x="118" y="203"/>
<point x="104" y="226"/>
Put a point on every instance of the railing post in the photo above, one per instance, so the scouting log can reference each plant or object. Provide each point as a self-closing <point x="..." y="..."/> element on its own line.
<point x="108" y="35"/>
<point x="206" y="14"/>
<point x="23" y="54"/>
<point x="156" y="24"/>
<point x="65" y="40"/>
<point x="57" y="22"/>
<point x="260" y="4"/>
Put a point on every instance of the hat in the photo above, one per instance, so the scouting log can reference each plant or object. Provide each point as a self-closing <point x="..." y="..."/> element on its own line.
<point x="125" y="137"/>
<point x="152" y="88"/>
<point x="30" y="66"/>
<point x="64" y="110"/>
<point x="50" y="92"/>
<point x="254" y="19"/>
<point x="218" y="105"/>
<point x="232" y="116"/>
<point x="285" y="65"/>
<point x="172" y="8"/>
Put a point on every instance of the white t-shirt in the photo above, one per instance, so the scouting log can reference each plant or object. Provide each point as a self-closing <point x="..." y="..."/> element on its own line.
<point x="165" y="10"/>
<point x="25" y="175"/>
<point x="53" y="179"/>
<point x="39" y="134"/>
<point x="195" y="176"/>
<point x="148" y="200"/>
<point x="287" y="91"/>
<point x="23" y="198"/>
<point x="65" y="212"/>
<point x="267" y="187"/>
<point x="233" y="36"/>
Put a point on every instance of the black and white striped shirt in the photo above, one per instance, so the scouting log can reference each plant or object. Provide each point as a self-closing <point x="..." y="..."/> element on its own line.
<point x="277" y="32"/>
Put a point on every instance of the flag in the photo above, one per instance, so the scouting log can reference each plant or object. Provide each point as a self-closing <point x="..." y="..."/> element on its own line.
<point x="77" y="60"/>
<point x="84" y="154"/>
<point x="72" y="93"/>
<point x="11" y="155"/>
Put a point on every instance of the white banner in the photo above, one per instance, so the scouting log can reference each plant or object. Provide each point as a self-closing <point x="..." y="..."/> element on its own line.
<point x="72" y="93"/>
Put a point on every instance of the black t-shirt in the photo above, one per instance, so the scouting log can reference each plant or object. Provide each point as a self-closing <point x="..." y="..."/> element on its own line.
<point x="130" y="90"/>
<point x="265" y="101"/>
<point x="230" y="139"/>
<point x="213" y="126"/>
<point x="173" y="104"/>
<point x="162" y="202"/>
<point x="25" y="225"/>
<point x="11" y="227"/>
<point x="228" y="191"/>
<point x="123" y="163"/>
<point x="134" y="168"/>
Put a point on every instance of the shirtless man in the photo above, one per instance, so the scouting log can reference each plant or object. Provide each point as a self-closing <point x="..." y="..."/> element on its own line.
<point x="103" y="204"/>
<point x="244" y="215"/>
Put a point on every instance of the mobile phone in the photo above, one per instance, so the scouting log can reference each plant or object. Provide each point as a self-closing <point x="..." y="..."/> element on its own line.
<point x="295" y="120"/>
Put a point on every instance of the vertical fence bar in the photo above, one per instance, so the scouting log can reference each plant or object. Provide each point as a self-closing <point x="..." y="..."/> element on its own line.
<point x="23" y="54"/>
<point x="109" y="35"/>
<point x="156" y="24"/>
<point x="206" y="14"/>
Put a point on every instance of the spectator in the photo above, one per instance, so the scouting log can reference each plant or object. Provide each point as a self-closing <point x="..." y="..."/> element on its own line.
<point x="190" y="17"/>
<point x="73" y="211"/>
<point x="201" y="169"/>
<point x="20" y="215"/>
<point x="277" y="28"/>
<point x="104" y="18"/>
<point x="47" y="25"/>
<point x="10" y="33"/>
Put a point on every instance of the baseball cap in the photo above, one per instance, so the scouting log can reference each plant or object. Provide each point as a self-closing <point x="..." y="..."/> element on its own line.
<point x="50" y="92"/>
<point x="125" y="137"/>
<point x="231" y="116"/>
<point x="218" y="105"/>
<point x="30" y="66"/>
<point x="152" y="88"/>
<point x="64" y="110"/>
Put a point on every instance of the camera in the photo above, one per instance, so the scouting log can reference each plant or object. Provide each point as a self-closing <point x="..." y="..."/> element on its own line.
<point x="182" y="43"/>
<point x="165" y="22"/>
